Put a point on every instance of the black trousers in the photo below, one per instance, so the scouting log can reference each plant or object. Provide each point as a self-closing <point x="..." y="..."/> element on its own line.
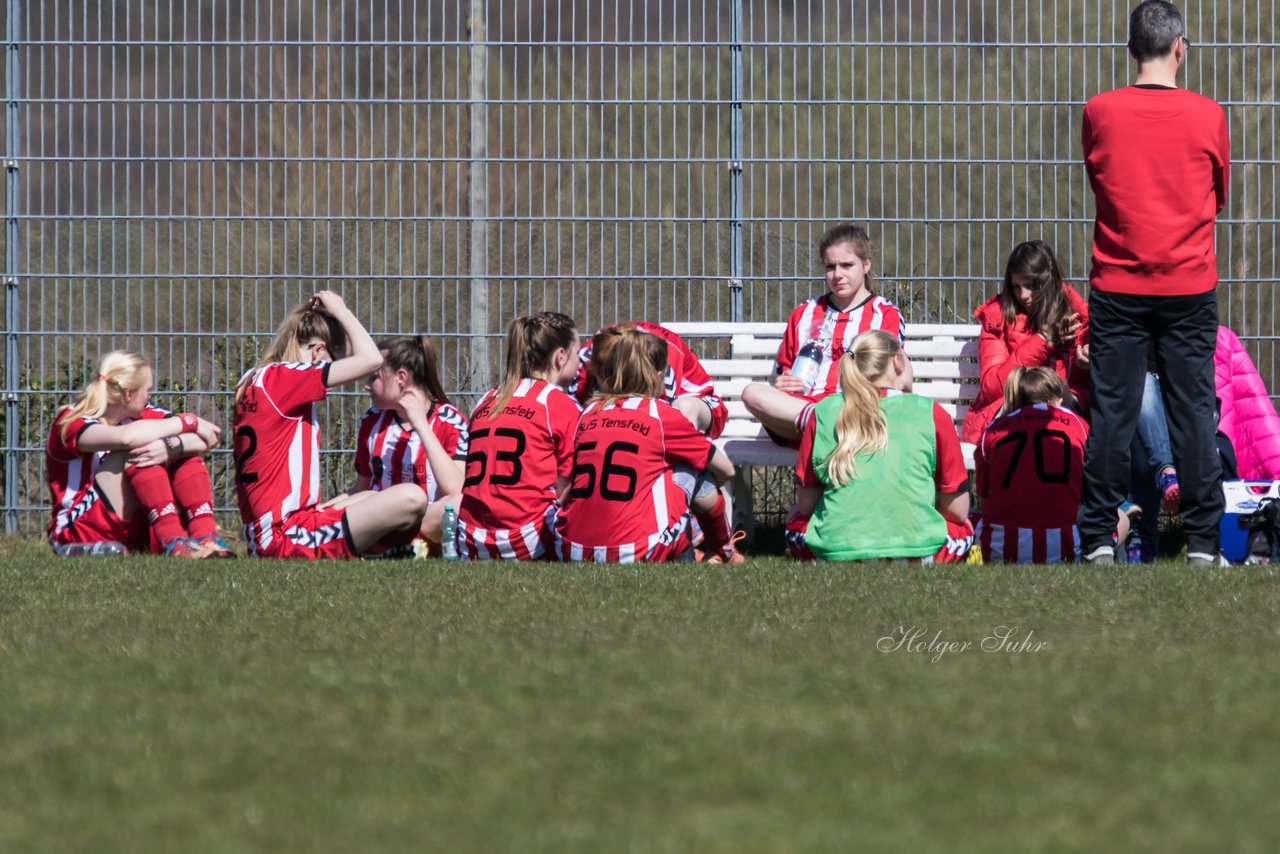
<point x="1185" y="332"/>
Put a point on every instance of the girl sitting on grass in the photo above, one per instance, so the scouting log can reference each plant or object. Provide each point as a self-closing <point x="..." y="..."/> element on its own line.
<point x="277" y="443"/>
<point x="521" y="446"/>
<point x="638" y="464"/>
<point x="123" y="472"/>
<point x="878" y="445"/>
<point x="1027" y="466"/>
<point x="411" y="435"/>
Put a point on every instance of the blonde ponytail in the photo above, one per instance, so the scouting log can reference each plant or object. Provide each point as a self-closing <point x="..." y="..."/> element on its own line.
<point x="861" y="427"/>
<point x="119" y="371"/>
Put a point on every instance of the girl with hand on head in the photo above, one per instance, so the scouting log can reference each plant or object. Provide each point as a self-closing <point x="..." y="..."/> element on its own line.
<point x="877" y="445"/>
<point x="521" y="446"/>
<point x="122" y="471"/>
<point x="318" y="346"/>
<point x="1037" y="320"/>
<point x="411" y="435"/>
<point x="639" y="464"/>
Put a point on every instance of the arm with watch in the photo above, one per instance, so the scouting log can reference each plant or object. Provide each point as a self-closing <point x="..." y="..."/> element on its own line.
<point x="198" y="437"/>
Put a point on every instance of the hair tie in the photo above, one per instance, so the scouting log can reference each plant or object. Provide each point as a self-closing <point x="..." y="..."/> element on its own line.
<point x="102" y="378"/>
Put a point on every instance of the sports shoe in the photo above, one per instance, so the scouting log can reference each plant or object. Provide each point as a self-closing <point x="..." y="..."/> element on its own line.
<point x="214" y="547"/>
<point x="735" y="556"/>
<point x="185" y="547"/>
<point x="1102" y="554"/>
<point x="1170" y="492"/>
<point x="1206" y="559"/>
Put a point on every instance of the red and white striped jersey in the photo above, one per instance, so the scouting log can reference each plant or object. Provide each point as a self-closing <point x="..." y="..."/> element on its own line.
<point x="277" y="445"/>
<point x="509" y="502"/>
<point x="1028" y="466"/>
<point x="623" y="502"/>
<point x="1011" y="544"/>
<point x="70" y="471"/>
<point x="685" y="376"/>
<point x="388" y="452"/>
<point x="817" y="320"/>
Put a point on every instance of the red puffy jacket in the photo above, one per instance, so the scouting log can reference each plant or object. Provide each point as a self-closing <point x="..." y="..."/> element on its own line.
<point x="1003" y="347"/>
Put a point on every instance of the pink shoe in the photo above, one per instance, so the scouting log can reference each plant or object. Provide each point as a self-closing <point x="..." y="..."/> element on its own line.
<point x="1170" y="492"/>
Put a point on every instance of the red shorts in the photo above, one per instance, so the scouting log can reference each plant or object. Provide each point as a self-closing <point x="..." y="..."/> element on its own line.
<point x="96" y="522"/>
<point x="719" y="418"/>
<point x="309" y="534"/>
<point x="663" y="553"/>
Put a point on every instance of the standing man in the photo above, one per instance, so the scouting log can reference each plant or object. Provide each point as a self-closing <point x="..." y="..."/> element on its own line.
<point x="1158" y="159"/>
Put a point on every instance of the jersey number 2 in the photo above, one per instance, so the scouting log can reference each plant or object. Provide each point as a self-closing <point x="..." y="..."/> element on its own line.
<point x="242" y="459"/>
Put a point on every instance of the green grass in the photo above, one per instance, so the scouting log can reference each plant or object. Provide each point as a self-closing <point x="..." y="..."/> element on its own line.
<point x="153" y="705"/>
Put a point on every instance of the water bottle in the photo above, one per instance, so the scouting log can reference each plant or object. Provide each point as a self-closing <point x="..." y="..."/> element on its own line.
<point x="807" y="363"/>
<point x="449" y="533"/>
<point x="102" y="549"/>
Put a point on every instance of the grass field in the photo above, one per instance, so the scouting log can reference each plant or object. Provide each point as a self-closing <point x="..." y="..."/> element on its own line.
<point x="153" y="705"/>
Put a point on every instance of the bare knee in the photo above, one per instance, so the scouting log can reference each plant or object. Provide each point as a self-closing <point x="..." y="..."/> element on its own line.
<point x="704" y="503"/>
<point x="696" y="410"/>
<point x="756" y="395"/>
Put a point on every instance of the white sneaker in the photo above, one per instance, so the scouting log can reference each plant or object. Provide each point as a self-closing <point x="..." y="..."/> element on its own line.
<point x="1102" y="554"/>
<point x="1206" y="559"/>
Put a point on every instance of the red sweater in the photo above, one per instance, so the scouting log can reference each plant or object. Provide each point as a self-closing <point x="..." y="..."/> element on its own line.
<point x="1003" y="347"/>
<point x="1158" y="161"/>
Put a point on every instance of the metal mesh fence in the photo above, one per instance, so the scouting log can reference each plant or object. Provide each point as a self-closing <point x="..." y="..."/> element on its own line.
<point x="179" y="174"/>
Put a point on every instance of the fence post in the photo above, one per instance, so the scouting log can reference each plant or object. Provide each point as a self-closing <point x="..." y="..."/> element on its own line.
<point x="11" y="263"/>
<point x="737" y="84"/>
<point x="478" y="198"/>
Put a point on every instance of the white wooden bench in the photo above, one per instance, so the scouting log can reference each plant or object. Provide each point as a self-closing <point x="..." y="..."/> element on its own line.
<point x="944" y="358"/>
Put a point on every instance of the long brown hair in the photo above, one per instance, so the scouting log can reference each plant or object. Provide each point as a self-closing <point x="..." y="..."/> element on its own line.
<point x="1028" y="386"/>
<point x="857" y="237"/>
<point x="305" y="323"/>
<point x="417" y="357"/>
<point x="1050" y="313"/>
<point x="532" y="342"/>
<point x="628" y="362"/>
<point x="118" y="372"/>
<point x="861" y="427"/>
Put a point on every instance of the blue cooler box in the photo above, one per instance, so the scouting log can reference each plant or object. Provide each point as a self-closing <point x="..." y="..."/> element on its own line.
<point x="1242" y="498"/>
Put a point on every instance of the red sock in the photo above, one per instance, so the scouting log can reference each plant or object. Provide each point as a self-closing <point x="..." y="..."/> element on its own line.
<point x="155" y="493"/>
<point x="715" y="529"/>
<point x="194" y="494"/>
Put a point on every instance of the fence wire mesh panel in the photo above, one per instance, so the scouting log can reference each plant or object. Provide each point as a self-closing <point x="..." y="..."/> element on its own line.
<point x="180" y="174"/>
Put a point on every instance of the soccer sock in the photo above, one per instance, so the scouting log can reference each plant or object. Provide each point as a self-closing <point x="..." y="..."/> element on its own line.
<point x="194" y="493"/>
<point x="715" y="529"/>
<point x="154" y="492"/>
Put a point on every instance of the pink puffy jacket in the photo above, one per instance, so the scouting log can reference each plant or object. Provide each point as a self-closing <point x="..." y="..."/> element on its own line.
<point x="1248" y="417"/>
